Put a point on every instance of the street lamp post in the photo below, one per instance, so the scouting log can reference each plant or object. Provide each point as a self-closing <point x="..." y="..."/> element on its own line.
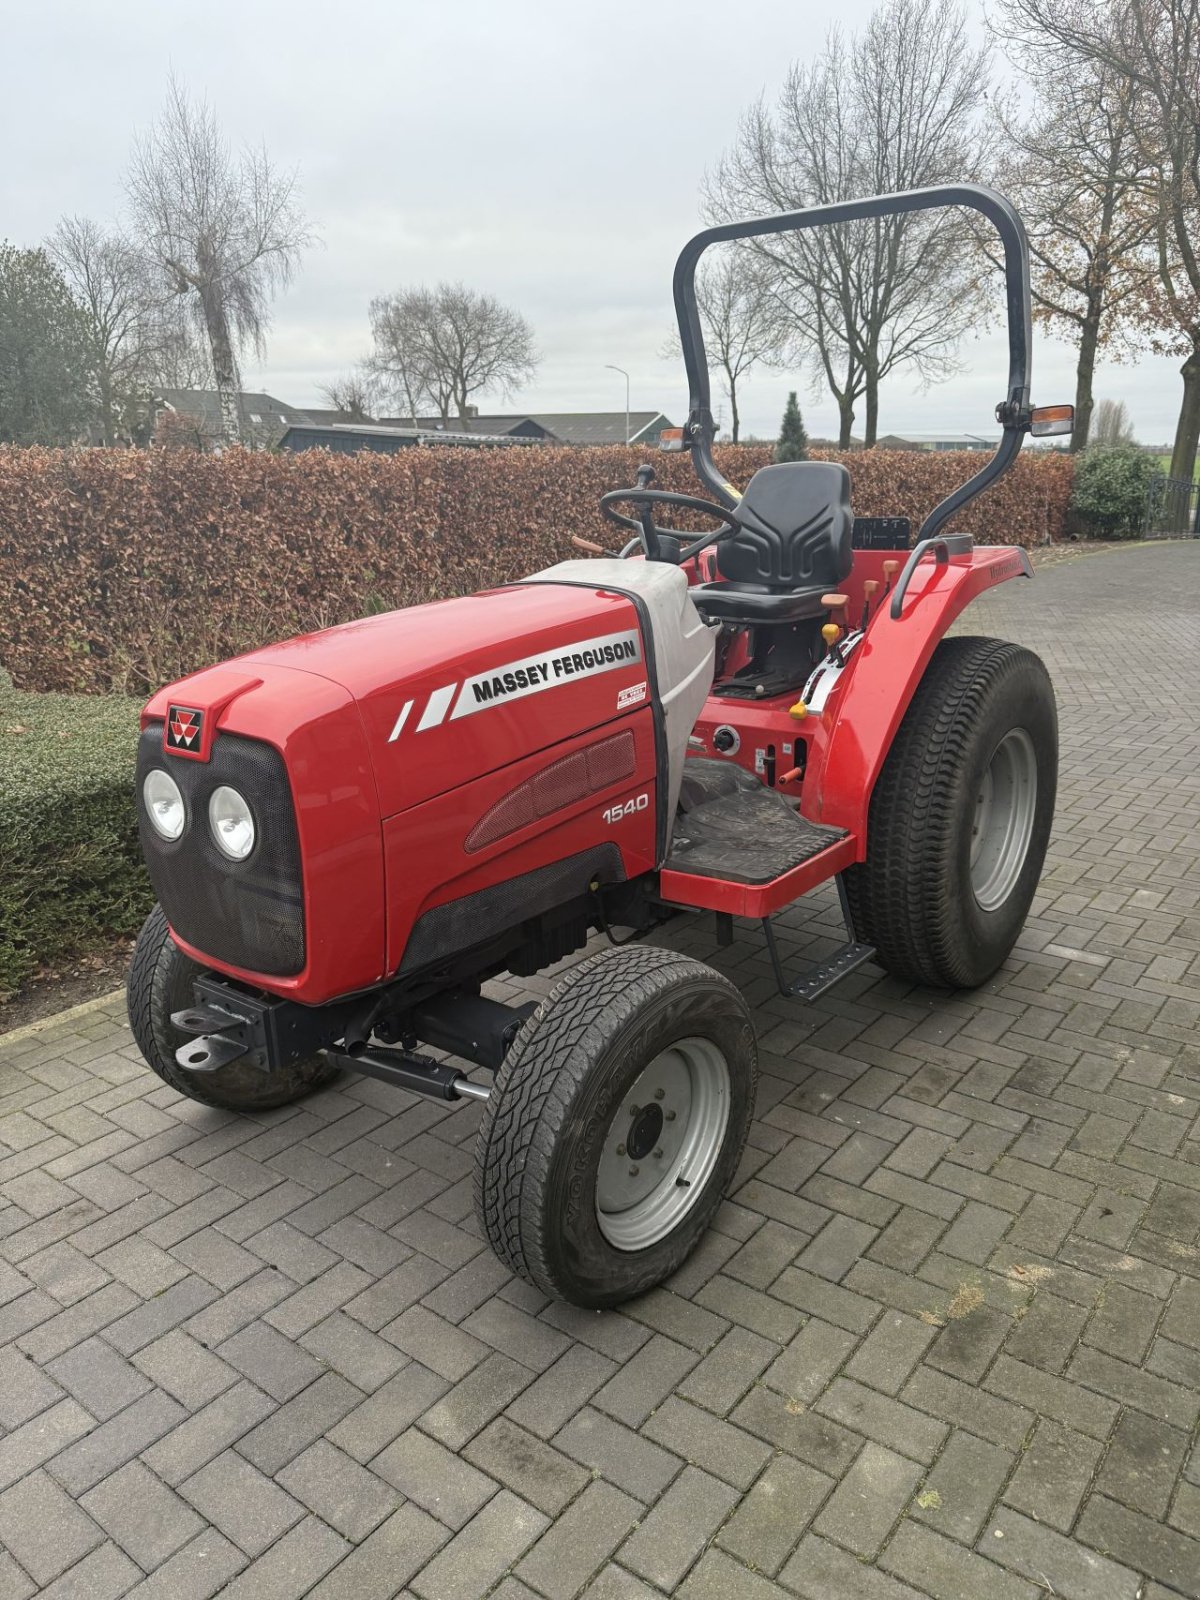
<point x="625" y="375"/>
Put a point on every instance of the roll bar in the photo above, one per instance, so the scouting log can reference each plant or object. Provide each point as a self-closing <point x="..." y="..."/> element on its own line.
<point x="1013" y="413"/>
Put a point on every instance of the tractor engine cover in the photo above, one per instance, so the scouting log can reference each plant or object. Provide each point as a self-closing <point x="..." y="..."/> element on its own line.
<point x="422" y="779"/>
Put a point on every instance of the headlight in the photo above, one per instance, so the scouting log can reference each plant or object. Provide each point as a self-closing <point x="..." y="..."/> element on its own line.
<point x="232" y="823"/>
<point x="164" y="804"/>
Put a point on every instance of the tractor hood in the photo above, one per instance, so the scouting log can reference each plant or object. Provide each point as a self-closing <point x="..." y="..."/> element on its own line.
<point x="445" y="691"/>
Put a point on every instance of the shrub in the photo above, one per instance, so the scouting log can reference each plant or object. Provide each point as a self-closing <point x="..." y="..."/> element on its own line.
<point x="1111" y="485"/>
<point x="125" y="569"/>
<point x="71" y="872"/>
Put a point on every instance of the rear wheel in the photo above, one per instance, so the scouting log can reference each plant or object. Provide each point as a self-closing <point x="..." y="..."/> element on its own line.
<point x="960" y="817"/>
<point x="160" y="982"/>
<point x="615" y="1125"/>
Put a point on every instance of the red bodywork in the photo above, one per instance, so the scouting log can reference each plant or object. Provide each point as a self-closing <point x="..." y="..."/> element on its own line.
<point x="395" y="768"/>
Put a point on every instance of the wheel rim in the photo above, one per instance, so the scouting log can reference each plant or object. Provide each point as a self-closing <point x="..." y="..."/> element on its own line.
<point x="1002" y="823"/>
<point x="662" y="1144"/>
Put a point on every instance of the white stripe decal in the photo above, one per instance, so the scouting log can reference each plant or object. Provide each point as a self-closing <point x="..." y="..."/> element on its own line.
<point x="400" y="721"/>
<point x="439" y="704"/>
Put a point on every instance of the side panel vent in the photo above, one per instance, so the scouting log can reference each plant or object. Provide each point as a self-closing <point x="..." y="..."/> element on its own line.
<point x="572" y="778"/>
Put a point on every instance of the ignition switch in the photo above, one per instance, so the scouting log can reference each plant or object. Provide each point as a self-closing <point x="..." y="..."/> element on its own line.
<point x="726" y="741"/>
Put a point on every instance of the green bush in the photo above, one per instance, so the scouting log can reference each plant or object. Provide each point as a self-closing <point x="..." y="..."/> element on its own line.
<point x="1111" y="485"/>
<point x="71" y="872"/>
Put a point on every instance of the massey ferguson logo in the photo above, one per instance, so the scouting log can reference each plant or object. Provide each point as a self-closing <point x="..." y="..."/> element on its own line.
<point x="183" y="729"/>
<point x="516" y="679"/>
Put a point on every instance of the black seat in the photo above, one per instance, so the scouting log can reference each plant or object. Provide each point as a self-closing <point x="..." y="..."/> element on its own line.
<point x="793" y="546"/>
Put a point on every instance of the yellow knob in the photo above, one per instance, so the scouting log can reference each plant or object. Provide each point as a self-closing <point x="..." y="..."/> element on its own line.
<point x="831" y="633"/>
<point x="799" y="711"/>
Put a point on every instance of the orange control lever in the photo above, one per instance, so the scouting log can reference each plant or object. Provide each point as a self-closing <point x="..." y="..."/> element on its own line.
<point x="869" y="587"/>
<point x="586" y="544"/>
<point x="890" y="569"/>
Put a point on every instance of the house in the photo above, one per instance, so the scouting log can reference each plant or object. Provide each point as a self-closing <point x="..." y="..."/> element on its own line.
<point x="552" y="427"/>
<point x="262" y="416"/>
<point x="935" y="441"/>
<point x="348" y="438"/>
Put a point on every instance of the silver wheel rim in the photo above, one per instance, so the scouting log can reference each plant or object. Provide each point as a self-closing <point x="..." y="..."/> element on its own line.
<point x="1002" y="821"/>
<point x="662" y="1144"/>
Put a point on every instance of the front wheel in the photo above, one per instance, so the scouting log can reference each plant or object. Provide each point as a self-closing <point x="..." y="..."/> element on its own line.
<point x="615" y="1125"/>
<point x="960" y="817"/>
<point x="160" y="982"/>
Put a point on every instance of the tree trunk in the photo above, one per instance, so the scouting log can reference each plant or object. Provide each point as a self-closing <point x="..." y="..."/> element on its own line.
<point x="1187" y="430"/>
<point x="733" y="411"/>
<point x="1084" y="373"/>
<point x="845" y="421"/>
<point x="224" y="367"/>
<point x="871" y="431"/>
<point x="107" y="426"/>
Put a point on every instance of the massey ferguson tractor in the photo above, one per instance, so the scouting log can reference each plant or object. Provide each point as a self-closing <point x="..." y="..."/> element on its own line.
<point x="351" y="832"/>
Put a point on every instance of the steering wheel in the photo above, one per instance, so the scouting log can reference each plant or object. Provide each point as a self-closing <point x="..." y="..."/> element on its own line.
<point x="648" y="533"/>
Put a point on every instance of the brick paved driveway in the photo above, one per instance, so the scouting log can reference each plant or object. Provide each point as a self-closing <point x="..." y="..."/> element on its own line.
<point x="944" y="1339"/>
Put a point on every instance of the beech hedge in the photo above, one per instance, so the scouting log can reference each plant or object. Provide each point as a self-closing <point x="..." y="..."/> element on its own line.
<point x="123" y="569"/>
<point x="71" y="872"/>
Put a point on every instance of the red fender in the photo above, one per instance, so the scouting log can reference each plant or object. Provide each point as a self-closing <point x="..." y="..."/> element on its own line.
<point x="847" y="748"/>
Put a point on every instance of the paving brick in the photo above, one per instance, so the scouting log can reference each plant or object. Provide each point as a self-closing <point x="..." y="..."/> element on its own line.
<point x="883" y="1419"/>
<point x="1053" y="1474"/>
<point x="768" y="1521"/>
<point x="438" y="1344"/>
<point x="386" y="1560"/>
<point x="947" y="1571"/>
<point x="475" y="1558"/>
<point x="1053" y="1397"/>
<point x="181" y="1367"/>
<point x="1123" y="1322"/>
<point x="836" y="1248"/>
<point x="821" y="1571"/>
<point x="304" y="1554"/>
<point x="672" y="1535"/>
<point x="728" y="1370"/>
<point x="434" y="1478"/>
<point x="645" y="1381"/>
<point x="869" y="1500"/>
<point x="339" y="1491"/>
<point x="965" y="1347"/>
<point x="1000" y="1421"/>
<point x="821" y="1442"/>
<point x="365" y="1428"/>
<point x="270" y="1361"/>
<point x="236" y="1498"/>
<point x="24" y="1389"/>
<point x="579" y="1543"/>
<point x="483" y="1394"/>
<point x="534" y="1470"/>
<point x="1046" y="1557"/>
<point x="142" y="1515"/>
<point x="547" y="1403"/>
<point x="611" y="1449"/>
<point x="958" y="1492"/>
<point x="196" y="1572"/>
<point x="1168" y="1402"/>
<point x="1144" y="1460"/>
<point x="43" y="1528"/>
<point x="890" y="1351"/>
<point x="197" y="1440"/>
<point x="103" y="1575"/>
<point x="716" y="1576"/>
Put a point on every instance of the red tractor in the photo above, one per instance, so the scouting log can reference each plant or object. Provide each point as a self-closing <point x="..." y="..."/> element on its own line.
<point x="351" y="832"/>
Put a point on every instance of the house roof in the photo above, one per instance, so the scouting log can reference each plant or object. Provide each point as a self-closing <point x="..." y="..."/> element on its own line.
<point x="598" y="427"/>
<point x="348" y="437"/>
<point x="253" y="404"/>
<point x="965" y="441"/>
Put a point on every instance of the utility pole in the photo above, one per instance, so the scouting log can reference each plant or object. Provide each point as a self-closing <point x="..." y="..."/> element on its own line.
<point x="625" y="375"/>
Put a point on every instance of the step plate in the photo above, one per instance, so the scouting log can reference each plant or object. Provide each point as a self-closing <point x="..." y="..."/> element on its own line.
<point x="819" y="980"/>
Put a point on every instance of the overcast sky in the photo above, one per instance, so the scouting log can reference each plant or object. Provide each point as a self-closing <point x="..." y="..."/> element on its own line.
<point x="547" y="151"/>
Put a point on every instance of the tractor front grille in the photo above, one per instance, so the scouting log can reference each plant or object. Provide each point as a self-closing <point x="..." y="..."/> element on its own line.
<point x="248" y="913"/>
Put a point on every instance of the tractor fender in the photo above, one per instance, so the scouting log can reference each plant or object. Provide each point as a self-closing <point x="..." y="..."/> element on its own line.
<point x="850" y="744"/>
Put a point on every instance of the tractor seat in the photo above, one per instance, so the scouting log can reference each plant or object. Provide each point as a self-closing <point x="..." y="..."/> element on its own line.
<point x="793" y="545"/>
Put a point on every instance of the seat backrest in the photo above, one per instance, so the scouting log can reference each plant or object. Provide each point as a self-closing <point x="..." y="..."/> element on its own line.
<point x="797" y="528"/>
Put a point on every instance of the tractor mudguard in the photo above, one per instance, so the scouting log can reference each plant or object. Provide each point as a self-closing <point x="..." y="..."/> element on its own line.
<point x="849" y="746"/>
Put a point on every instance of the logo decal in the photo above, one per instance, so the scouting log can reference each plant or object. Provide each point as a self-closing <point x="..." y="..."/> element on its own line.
<point x="532" y="675"/>
<point x="183" y="728"/>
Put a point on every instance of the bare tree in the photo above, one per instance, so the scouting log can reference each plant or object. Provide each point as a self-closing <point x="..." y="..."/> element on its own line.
<point x="353" y="393"/>
<point x="741" y="316"/>
<point x="1112" y="425"/>
<point x="1154" y="46"/>
<point x="896" y="107"/>
<point x="441" y="346"/>
<point x="108" y="277"/>
<point x="225" y="232"/>
<point x="1077" y="173"/>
